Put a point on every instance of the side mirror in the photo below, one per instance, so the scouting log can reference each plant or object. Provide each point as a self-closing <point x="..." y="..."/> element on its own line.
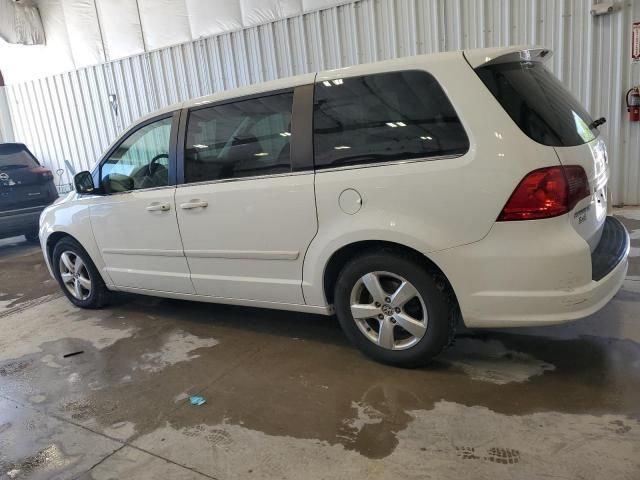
<point x="83" y="182"/>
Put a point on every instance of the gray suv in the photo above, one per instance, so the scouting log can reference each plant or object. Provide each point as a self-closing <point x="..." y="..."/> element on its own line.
<point x="26" y="188"/>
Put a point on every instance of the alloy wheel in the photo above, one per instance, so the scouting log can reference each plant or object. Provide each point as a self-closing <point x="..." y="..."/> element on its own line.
<point x="388" y="310"/>
<point x="74" y="275"/>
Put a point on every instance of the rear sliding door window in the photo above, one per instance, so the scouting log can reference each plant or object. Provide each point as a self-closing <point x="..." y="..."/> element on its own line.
<point x="384" y="117"/>
<point x="538" y="103"/>
<point x="241" y="139"/>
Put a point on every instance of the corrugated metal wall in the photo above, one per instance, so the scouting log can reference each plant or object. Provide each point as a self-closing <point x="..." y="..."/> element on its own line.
<point x="69" y="116"/>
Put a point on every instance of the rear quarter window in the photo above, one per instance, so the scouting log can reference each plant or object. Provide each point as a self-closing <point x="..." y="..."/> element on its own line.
<point x="384" y="117"/>
<point x="538" y="103"/>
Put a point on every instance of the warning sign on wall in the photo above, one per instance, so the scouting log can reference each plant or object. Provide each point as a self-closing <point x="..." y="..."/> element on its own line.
<point x="635" y="42"/>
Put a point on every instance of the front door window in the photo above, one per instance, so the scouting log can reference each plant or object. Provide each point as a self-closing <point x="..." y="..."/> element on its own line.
<point x="141" y="161"/>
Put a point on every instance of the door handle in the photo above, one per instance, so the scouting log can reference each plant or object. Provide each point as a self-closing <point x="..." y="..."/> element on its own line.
<point x="194" y="204"/>
<point x="158" y="207"/>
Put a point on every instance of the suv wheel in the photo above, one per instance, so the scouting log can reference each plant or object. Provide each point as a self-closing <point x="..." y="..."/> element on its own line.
<point x="393" y="309"/>
<point x="78" y="276"/>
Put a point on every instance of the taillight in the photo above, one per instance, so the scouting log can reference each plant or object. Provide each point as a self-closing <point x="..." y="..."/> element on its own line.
<point x="42" y="171"/>
<point x="545" y="193"/>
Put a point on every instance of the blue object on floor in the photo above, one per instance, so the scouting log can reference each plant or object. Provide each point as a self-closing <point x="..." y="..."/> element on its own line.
<point x="197" y="400"/>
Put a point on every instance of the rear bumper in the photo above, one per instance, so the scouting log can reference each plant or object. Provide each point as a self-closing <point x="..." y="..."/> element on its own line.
<point x="612" y="249"/>
<point x="21" y="221"/>
<point x="536" y="273"/>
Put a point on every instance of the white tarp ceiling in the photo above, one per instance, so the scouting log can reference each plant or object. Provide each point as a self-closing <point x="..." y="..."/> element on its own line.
<point x="80" y="33"/>
<point x="20" y="23"/>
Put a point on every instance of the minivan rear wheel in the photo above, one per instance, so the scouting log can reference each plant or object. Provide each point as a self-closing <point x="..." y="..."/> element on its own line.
<point x="78" y="276"/>
<point x="394" y="309"/>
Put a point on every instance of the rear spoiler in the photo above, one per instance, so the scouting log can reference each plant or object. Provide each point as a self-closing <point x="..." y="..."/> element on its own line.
<point x="492" y="56"/>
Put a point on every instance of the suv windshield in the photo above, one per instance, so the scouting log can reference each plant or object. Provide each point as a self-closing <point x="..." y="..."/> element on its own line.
<point x="539" y="104"/>
<point x="16" y="155"/>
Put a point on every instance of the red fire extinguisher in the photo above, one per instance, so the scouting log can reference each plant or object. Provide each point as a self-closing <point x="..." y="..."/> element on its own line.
<point x="633" y="104"/>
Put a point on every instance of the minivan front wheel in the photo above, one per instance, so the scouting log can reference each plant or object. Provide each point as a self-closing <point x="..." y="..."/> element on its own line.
<point x="78" y="276"/>
<point x="393" y="309"/>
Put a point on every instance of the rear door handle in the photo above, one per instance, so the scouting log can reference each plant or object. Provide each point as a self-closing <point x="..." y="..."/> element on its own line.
<point x="194" y="204"/>
<point x="158" y="207"/>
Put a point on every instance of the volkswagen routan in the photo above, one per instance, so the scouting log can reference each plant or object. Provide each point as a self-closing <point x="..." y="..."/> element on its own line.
<point x="406" y="197"/>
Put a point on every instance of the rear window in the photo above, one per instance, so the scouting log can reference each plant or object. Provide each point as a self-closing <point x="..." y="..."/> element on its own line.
<point x="538" y="103"/>
<point x="16" y="156"/>
<point x="384" y="117"/>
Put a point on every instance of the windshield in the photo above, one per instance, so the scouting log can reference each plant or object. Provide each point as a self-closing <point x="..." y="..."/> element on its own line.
<point x="539" y="104"/>
<point x="14" y="155"/>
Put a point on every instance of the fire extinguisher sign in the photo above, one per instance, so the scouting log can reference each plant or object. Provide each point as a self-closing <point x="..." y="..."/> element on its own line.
<point x="635" y="42"/>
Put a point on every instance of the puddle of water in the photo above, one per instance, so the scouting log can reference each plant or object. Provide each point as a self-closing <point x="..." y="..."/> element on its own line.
<point x="490" y="361"/>
<point x="177" y="348"/>
<point x="365" y="415"/>
<point x="49" y="458"/>
<point x="452" y="439"/>
<point x="53" y="321"/>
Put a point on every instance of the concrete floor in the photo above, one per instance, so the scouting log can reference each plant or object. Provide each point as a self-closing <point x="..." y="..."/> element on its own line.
<point x="287" y="397"/>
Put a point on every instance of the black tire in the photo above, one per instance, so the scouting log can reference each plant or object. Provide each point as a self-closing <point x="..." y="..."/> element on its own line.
<point x="430" y="284"/>
<point x="99" y="295"/>
<point x="32" y="237"/>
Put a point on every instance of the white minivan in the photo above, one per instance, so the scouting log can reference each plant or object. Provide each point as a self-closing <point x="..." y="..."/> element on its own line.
<point x="404" y="196"/>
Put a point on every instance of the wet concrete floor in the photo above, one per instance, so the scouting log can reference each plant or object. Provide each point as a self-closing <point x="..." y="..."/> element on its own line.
<point x="287" y="397"/>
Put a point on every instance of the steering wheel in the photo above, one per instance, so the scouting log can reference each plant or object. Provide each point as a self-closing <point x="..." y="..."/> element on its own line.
<point x="153" y="164"/>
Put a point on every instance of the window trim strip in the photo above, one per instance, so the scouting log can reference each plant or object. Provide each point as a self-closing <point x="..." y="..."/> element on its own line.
<point x="244" y="179"/>
<point x="391" y="162"/>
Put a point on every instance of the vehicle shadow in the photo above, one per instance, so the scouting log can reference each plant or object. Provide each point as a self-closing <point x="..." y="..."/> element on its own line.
<point x="296" y="325"/>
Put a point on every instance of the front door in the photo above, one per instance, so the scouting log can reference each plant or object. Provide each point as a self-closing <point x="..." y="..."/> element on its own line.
<point x="134" y="220"/>
<point x="246" y="219"/>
